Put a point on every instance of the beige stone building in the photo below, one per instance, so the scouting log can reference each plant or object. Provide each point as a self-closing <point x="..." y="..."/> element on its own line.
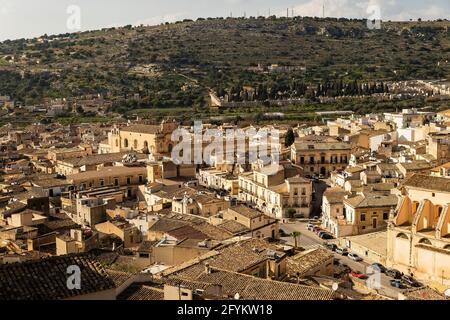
<point x="260" y="225"/>
<point x="219" y="180"/>
<point x="140" y="137"/>
<point x="363" y="213"/>
<point x="319" y="156"/>
<point x="280" y="195"/>
<point x="128" y="233"/>
<point x="199" y="204"/>
<point x="419" y="234"/>
<point x="119" y="176"/>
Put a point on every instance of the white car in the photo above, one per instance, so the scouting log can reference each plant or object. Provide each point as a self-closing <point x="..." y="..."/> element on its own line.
<point x="354" y="257"/>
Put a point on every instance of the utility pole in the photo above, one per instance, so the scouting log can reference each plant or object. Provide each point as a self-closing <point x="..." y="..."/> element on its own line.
<point x="287" y="13"/>
<point x="323" y="10"/>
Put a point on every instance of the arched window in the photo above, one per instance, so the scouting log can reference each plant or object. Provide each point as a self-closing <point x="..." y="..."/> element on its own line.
<point x="125" y="143"/>
<point x="425" y="241"/>
<point x="447" y="247"/>
<point x="117" y="142"/>
<point x="135" y="144"/>
<point x="415" y="206"/>
<point x="402" y="236"/>
<point x="145" y="144"/>
<point x="170" y="147"/>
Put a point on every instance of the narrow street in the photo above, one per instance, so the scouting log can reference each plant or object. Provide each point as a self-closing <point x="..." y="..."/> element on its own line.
<point x="309" y="240"/>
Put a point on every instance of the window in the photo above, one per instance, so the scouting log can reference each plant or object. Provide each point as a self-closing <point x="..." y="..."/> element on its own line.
<point x="295" y="191"/>
<point x="135" y="144"/>
<point x="125" y="143"/>
<point x="311" y="159"/>
<point x="141" y="179"/>
<point x="116" y="181"/>
<point x="102" y="182"/>
<point x="303" y="191"/>
<point x="433" y="194"/>
<point x="363" y="217"/>
<point x="128" y="180"/>
<point x="385" y="215"/>
<point x="302" y="160"/>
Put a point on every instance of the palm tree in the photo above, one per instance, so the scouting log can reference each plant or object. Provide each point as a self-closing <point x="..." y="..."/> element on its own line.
<point x="296" y="235"/>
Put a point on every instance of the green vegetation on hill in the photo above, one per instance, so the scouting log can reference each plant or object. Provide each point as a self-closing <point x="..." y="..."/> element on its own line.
<point x="175" y="65"/>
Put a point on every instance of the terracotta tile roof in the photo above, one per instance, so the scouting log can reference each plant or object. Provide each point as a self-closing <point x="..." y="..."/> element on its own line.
<point x="428" y="183"/>
<point x="335" y="195"/>
<point x="425" y="293"/>
<point x="46" y="279"/>
<point x="142" y="128"/>
<point x="99" y="159"/>
<point x="119" y="277"/>
<point x="236" y="257"/>
<point x="246" y="211"/>
<point x="301" y="263"/>
<point x="141" y="292"/>
<point x="234" y="227"/>
<point x="187" y="232"/>
<point x="253" y="288"/>
<point x="372" y="200"/>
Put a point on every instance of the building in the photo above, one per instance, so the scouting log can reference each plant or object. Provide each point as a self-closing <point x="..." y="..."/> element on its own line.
<point x="128" y="233"/>
<point x="140" y="137"/>
<point x="119" y="176"/>
<point x="419" y="233"/>
<point x="282" y="195"/>
<point x="47" y="279"/>
<point x="368" y="212"/>
<point x="199" y="204"/>
<point x="258" y="224"/>
<point x="95" y="162"/>
<point x="91" y="211"/>
<point x="333" y="209"/>
<point x="219" y="180"/>
<point x="320" y="157"/>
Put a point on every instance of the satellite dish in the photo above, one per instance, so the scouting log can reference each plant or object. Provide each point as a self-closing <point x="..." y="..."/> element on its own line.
<point x="447" y="293"/>
<point x="335" y="287"/>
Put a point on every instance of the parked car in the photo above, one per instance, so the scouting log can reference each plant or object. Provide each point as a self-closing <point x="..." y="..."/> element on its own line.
<point x="355" y="257"/>
<point x="410" y="281"/>
<point x="397" y="284"/>
<point x="316" y="229"/>
<point x="310" y="226"/>
<point x="331" y="246"/>
<point x="327" y="236"/>
<point x="358" y="274"/>
<point x="393" y="273"/>
<point x="342" y="251"/>
<point x="378" y="267"/>
<point x="336" y="262"/>
<point x="321" y="232"/>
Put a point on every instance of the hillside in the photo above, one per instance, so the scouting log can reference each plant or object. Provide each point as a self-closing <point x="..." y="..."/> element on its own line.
<point x="175" y="64"/>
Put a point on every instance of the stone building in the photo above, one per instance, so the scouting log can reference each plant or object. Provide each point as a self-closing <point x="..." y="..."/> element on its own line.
<point x="419" y="233"/>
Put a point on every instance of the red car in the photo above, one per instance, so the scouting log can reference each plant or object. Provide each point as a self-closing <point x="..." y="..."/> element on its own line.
<point x="359" y="275"/>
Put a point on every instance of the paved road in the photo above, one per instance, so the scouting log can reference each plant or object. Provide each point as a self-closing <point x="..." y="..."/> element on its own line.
<point x="309" y="239"/>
